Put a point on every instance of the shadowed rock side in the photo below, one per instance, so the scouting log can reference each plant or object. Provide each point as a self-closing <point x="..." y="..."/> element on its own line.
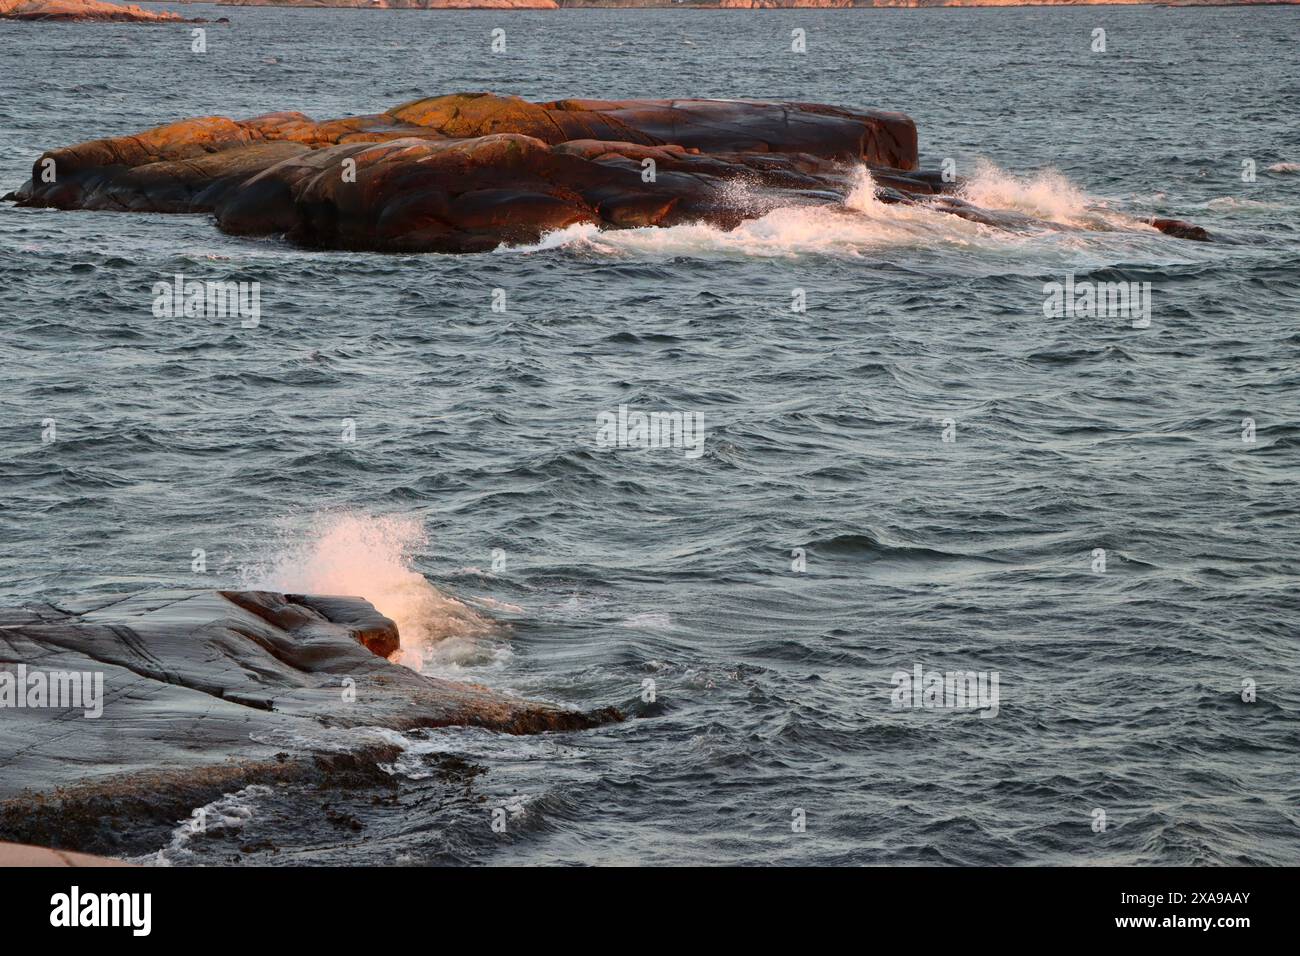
<point x="468" y="172"/>
<point x="205" y="687"/>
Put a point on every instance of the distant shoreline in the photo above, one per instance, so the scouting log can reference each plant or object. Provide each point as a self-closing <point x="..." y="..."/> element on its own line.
<point x="506" y="5"/>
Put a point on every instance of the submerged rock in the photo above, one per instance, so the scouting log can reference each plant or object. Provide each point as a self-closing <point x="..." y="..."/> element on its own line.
<point x="468" y="172"/>
<point x="202" y="692"/>
<point x="1180" y="229"/>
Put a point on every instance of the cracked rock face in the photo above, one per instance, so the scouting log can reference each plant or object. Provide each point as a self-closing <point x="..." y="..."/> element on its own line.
<point x="209" y="684"/>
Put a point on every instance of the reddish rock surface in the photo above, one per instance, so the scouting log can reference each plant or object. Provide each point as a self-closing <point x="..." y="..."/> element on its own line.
<point x="21" y="854"/>
<point x="468" y="172"/>
<point x="76" y="10"/>
<point x="1180" y="229"/>
<point x="712" y="4"/>
<point x="405" y="4"/>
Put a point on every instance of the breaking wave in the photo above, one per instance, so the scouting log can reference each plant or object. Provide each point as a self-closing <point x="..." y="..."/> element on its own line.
<point x="864" y="225"/>
<point x="1045" y="195"/>
<point x="370" y="556"/>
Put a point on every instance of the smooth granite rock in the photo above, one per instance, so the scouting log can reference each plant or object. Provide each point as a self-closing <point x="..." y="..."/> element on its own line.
<point x="208" y="684"/>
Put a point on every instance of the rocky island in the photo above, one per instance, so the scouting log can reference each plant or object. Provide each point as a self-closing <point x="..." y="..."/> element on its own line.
<point x="84" y="10"/>
<point x="88" y="10"/>
<point x="468" y="172"/>
<point x="719" y="4"/>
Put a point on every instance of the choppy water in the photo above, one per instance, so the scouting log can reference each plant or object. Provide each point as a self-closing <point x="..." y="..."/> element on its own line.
<point x="476" y="431"/>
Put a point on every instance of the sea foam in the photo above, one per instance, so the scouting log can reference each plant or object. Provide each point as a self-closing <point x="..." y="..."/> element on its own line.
<point x="862" y="225"/>
<point x="371" y="556"/>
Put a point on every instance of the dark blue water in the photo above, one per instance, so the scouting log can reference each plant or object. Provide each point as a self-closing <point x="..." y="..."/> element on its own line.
<point x="476" y="430"/>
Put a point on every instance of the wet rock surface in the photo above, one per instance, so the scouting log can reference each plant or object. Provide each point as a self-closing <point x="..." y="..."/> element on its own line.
<point x="1180" y="229"/>
<point x="204" y="692"/>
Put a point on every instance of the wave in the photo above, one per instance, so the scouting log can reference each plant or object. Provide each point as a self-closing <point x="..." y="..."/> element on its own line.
<point x="230" y="812"/>
<point x="471" y="743"/>
<point x="1044" y="207"/>
<point x="1241" y="205"/>
<point x="867" y="545"/>
<point x="1045" y="195"/>
<point x="370" y="556"/>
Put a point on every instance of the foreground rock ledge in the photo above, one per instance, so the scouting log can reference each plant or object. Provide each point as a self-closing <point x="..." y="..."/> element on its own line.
<point x="206" y="690"/>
